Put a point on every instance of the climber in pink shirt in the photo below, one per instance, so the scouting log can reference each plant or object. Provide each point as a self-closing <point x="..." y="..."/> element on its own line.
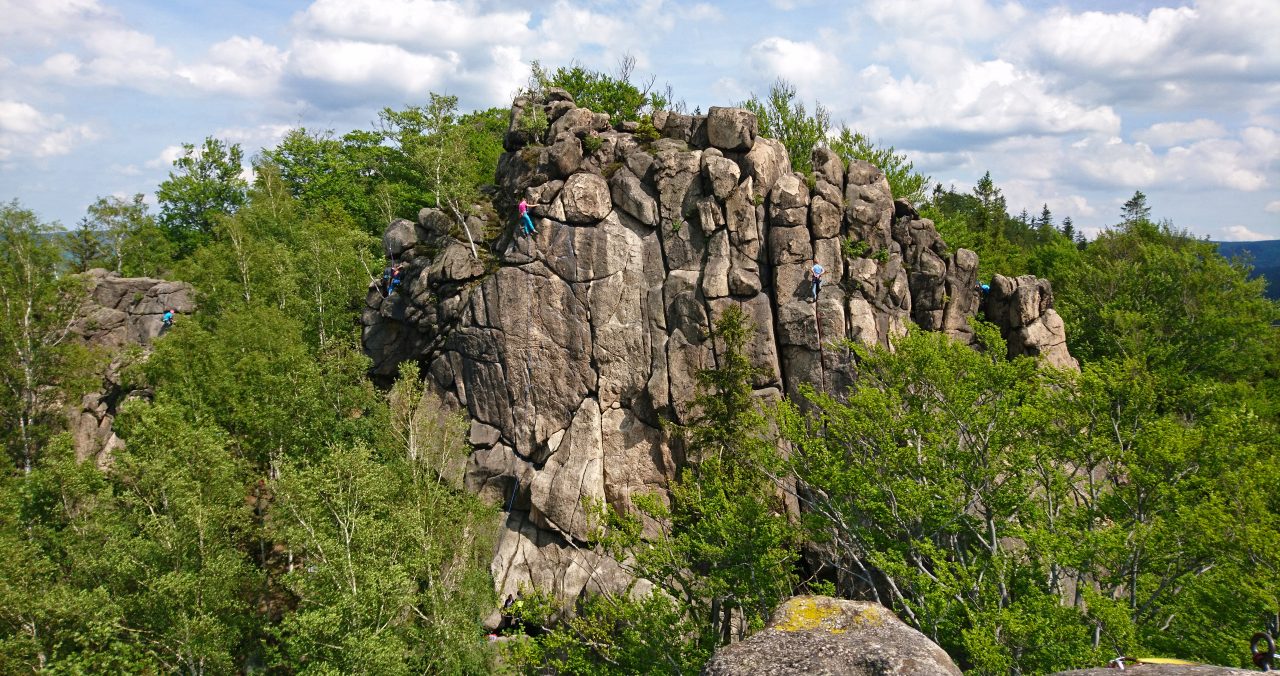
<point x="526" y="222"/>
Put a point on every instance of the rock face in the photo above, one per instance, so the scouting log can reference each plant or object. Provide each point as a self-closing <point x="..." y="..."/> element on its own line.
<point x="821" y="635"/>
<point x="570" y="350"/>
<point x="118" y="312"/>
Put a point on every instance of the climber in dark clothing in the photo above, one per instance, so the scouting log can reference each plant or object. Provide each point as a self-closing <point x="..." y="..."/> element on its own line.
<point x="386" y="280"/>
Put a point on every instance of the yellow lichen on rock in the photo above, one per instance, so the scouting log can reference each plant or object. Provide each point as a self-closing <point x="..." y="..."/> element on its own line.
<point x="808" y="613"/>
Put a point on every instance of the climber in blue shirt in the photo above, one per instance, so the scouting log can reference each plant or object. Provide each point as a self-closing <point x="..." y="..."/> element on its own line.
<point x="984" y="288"/>
<point x="166" y="320"/>
<point x="816" y="272"/>
<point x="395" y="278"/>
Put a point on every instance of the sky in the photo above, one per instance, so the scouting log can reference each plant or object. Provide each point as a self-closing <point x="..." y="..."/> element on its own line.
<point x="1073" y="103"/>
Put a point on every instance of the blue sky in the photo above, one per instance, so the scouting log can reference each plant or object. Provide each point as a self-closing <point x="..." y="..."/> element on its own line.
<point x="1074" y="103"/>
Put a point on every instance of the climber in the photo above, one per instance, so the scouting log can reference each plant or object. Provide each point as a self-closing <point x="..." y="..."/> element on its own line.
<point x="395" y="278"/>
<point x="386" y="280"/>
<point x="816" y="272"/>
<point x="984" y="288"/>
<point x="166" y="320"/>
<point x="526" y="222"/>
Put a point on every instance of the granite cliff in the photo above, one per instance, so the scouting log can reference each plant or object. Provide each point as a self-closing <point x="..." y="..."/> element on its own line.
<point x="570" y="349"/>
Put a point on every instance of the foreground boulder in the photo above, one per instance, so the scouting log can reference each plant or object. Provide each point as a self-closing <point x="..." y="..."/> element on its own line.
<point x="822" y="635"/>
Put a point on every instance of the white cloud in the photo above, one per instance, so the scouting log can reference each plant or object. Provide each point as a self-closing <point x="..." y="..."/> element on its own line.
<point x="363" y="67"/>
<point x="984" y="99"/>
<point x="812" y="69"/>
<point x="1171" y="133"/>
<point x="1170" y="56"/>
<point x="25" y="131"/>
<point x="241" y="66"/>
<point x="1240" y="233"/>
<point x="1216" y="163"/>
<point x="415" y="24"/>
<point x="1273" y="207"/>
<point x="947" y="20"/>
<point x="167" y="157"/>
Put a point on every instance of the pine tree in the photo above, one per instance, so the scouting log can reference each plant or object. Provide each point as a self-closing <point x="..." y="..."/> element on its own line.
<point x="1135" y="209"/>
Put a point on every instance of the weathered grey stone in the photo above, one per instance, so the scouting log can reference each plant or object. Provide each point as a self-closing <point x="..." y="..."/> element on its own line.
<point x="572" y="356"/>
<point x="722" y="174"/>
<point x="573" y="122"/>
<point x="868" y="205"/>
<point x="565" y="156"/>
<point x="732" y="129"/>
<point x="767" y="160"/>
<point x="586" y="198"/>
<point x="821" y="635"/>
<point x="828" y="166"/>
<point x="632" y="196"/>
<point x="400" y="236"/>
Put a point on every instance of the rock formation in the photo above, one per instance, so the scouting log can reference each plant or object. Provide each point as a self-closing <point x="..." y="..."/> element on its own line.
<point x="821" y="635"/>
<point x="118" y="312"/>
<point x="571" y="350"/>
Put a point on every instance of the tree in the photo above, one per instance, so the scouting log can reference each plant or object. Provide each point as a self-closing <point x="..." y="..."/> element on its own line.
<point x="437" y="148"/>
<point x="725" y="548"/>
<point x="1135" y="209"/>
<point x="85" y="246"/>
<point x="133" y="242"/>
<point x="615" y="94"/>
<point x="41" y="365"/>
<point x="1068" y="229"/>
<point x="782" y="117"/>
<point x="904" y="181"/>
<point x="387" y="555"/>
<point x="1153" y="293"/>
<point x="205" y="184"/>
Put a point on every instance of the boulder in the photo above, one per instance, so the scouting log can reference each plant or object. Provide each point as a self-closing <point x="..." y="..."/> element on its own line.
<point x="732" y="129"/>
<point x="586" y="198"/>
<point x="822" y="635"/>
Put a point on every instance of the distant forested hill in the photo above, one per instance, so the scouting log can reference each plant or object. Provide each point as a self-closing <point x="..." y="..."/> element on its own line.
<point x="1266" y="260"/>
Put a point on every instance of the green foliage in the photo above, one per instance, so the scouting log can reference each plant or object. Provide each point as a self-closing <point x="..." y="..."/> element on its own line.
<point x="533" y="123"/>
<point x="904" y="182"/>
<point x="615" y="634"/>
<point x="972" y="493"/>
<point x="40" y="363"/>
<point x="782" y="117"/>
<point x="132" y="243"/>
<point x="591" y="144"/>
<point x="725" y="546"/>
<point x="854" y="248"/>
<point x="388" y="555"/>
<point x="1149" y="292"/>
<point x="614" y="94"/>
<point x="646" y="132"/>
<point x="204" y="185"/>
